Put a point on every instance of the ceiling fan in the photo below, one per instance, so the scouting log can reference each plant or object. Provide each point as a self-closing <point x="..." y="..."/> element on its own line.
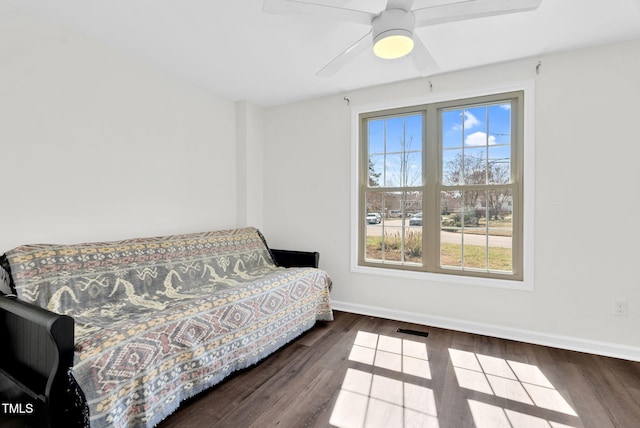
<point x="392" y="30"/>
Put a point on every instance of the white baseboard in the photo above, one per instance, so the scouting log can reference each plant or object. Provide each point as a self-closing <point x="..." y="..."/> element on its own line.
<point x="556" y="341"/>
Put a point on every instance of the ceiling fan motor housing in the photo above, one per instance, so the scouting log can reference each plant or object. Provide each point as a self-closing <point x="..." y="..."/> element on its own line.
<point x="393" y="26"/>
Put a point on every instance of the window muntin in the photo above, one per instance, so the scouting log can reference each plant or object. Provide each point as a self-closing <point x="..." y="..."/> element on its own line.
<point x="446" y="182"/>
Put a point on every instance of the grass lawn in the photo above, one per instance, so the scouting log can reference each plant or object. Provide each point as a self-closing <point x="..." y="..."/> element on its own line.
<point x="475" y="257"/>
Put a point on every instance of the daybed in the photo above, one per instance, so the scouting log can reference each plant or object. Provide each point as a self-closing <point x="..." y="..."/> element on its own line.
<point x="157" y="320"/>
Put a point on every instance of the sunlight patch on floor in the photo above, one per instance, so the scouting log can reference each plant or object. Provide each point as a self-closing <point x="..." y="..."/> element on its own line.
<point x="368" y="400"/>
<point x="524" y="383"/>
<point x="490" y="416"/>
<point x="512" y="380"/>
<point x="372" y="401"/>
<point x="391" y="353"/>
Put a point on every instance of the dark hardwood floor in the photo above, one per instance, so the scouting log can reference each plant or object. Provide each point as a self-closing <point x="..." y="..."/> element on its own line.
<point x="358" y="371"/>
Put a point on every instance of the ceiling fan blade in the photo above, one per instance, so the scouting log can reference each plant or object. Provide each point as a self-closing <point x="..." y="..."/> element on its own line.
<point x="303" y="8"/>
<point x="471" y="9"/>
<point x="346" y="56"/>
<point x="422" y="59"/>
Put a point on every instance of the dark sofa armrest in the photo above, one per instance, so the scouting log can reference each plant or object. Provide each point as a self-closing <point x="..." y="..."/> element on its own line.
<point x="37" y="353"/>
<point x="288" y="258"/>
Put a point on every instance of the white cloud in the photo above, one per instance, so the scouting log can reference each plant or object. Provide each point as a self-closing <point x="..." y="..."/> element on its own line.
<point x="479" y="139"/>
<point x="470" y="120"/>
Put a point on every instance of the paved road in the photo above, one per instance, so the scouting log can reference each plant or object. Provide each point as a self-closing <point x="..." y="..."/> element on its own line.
<point x="393" y="227"/>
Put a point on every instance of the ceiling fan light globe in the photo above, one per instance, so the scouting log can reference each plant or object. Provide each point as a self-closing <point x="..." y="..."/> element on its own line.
<point x="393" y="44"/>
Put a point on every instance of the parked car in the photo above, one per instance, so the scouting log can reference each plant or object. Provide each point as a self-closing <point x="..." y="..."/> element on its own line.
<point x="374" y="218"/>
<point x="416" y="219"/>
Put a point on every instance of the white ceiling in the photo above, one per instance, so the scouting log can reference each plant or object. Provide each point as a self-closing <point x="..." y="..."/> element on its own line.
<point x="237" y="51"/>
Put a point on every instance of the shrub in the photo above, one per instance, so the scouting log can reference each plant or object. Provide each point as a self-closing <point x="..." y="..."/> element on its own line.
<point x="470" y="219"/>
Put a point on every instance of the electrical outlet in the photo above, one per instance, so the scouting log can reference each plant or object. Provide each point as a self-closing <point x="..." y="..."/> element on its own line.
<point x="620" y="307"/>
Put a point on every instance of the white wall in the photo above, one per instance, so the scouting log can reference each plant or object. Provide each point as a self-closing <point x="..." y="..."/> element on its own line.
<point x="96" y="145"/>
<point x="587" y="203"/>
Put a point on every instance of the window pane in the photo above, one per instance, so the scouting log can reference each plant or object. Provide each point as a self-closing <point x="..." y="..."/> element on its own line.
<point x="412" y="228"/>
<point x="413" y="203"/>
<point x="475" y="166"/>
<point x="474" y="230"/>
<point x="452" y="129"/>
<point x="500" y="252"/>
<point x="413" y="132"/>
<point x="500" y="230"/>
<point x="475" y="118"/>
<point x="452" y="167"/>
<point x="475" y="127"/>
<point x="412" y="151"/>
<point x="376" y="170"/>
<point x="373" y="223"/>
<point x="500" y="123"/>
<point x="500" y="205"/>
<point x="394" y="134"/>
<point x="462" y="238"/>
<point x="413" y="168"/>
<point x="499" y="165"/>
<point x="450" y="236"/>
<point x="404" y="169"/>
<point x="376" y="137"/>
<point x="393" y="171"/>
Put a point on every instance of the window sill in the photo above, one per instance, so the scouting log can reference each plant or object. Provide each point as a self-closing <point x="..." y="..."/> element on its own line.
<point x="525" y="285"/>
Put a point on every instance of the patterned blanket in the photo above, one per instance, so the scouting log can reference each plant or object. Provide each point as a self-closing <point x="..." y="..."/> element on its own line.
<point x="160" y="319"/>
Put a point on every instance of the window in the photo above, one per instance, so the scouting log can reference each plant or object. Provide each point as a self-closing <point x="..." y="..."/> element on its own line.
<point x="440" y="187"/>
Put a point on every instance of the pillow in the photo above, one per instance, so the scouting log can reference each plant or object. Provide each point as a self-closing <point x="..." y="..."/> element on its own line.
<point x="5" y="278"/>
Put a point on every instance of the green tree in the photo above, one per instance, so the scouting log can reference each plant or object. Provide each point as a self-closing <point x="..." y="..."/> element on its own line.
<point x="374" y="176"/>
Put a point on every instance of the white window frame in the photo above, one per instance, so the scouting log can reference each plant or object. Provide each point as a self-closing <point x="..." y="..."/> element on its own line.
<point x="527" y="282"/>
